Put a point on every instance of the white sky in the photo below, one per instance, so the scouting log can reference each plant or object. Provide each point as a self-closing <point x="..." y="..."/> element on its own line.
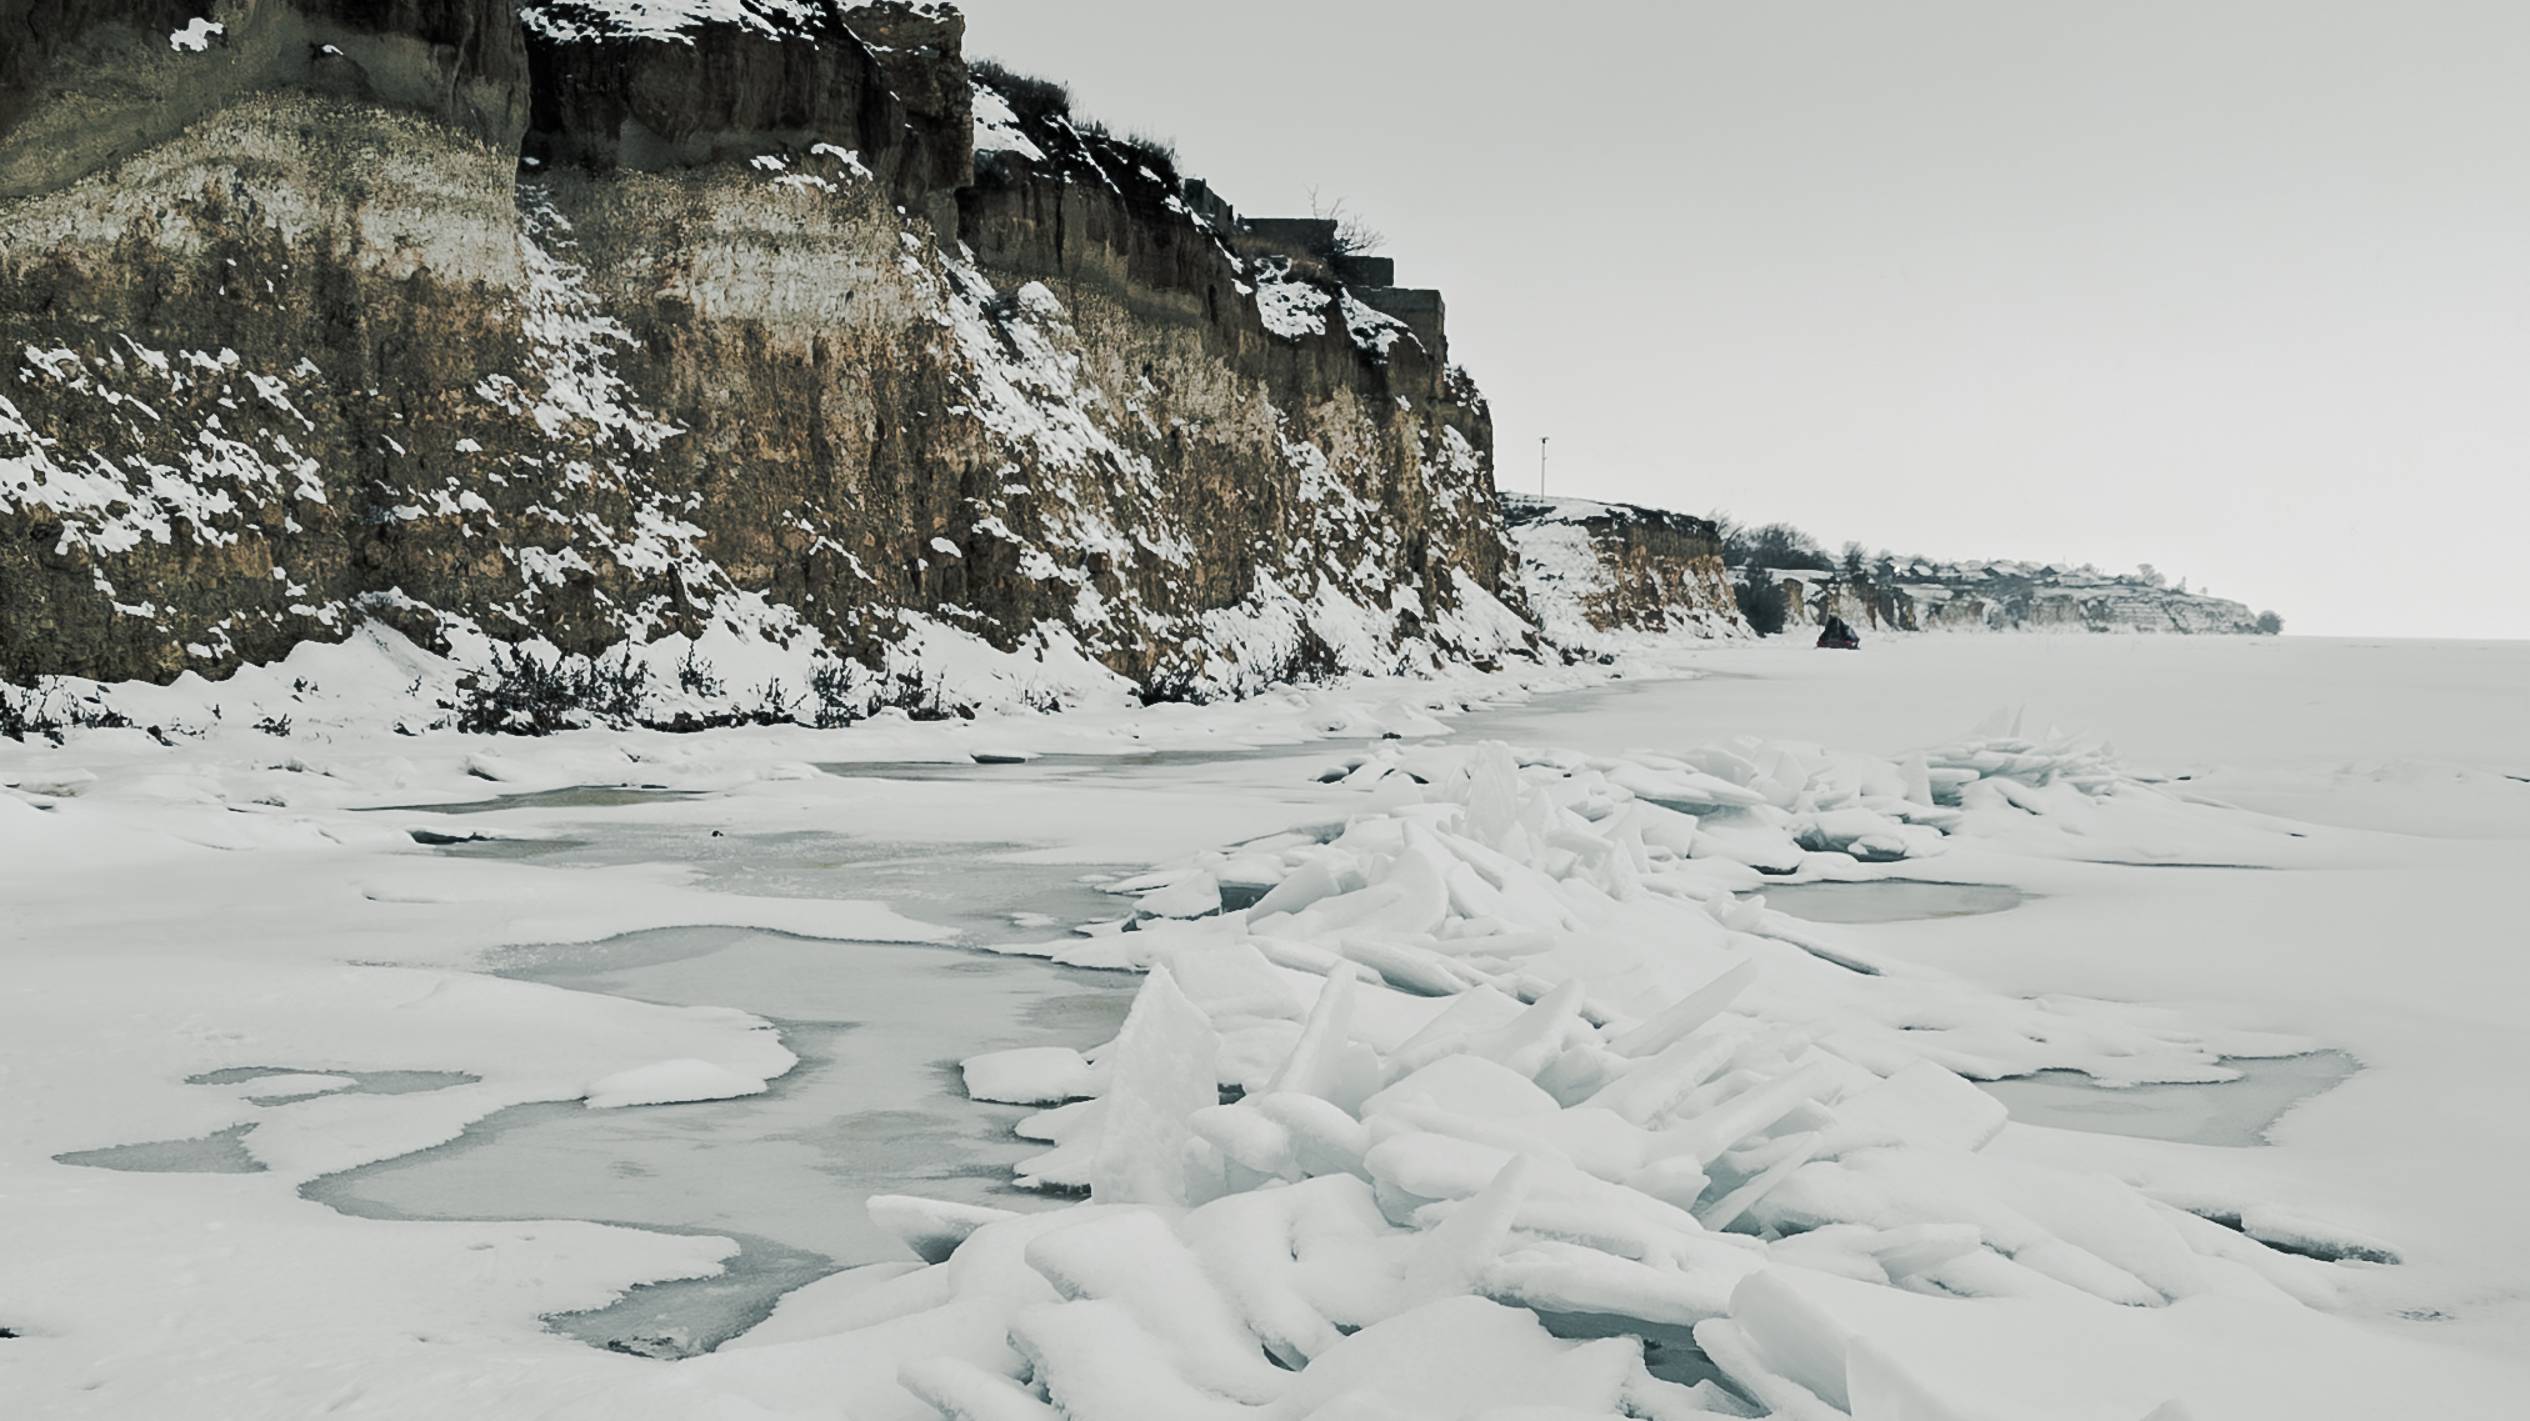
<point x="2240" y="288"/>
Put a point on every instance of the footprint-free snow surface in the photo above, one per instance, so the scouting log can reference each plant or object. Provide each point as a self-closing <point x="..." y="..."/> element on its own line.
<point x="1761" y="1033"/>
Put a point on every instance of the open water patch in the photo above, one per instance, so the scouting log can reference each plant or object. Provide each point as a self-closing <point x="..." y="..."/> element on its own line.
<point x="668" y="1319"/>
<point x="2236" y="1113"/>
<point x="1063" y="765"/>
<point x="220" y="1152"/>
<point x="686" y="1317"/>
<point x="572" y="797"/>
<point x="980" y="891"/>
<point x="299" y="1083"/>
<point x="875" y="1106"/>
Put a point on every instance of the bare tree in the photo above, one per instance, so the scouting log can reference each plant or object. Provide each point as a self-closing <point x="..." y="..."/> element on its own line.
<point x="1782" y="545"/>
<point x="1353" y="237"/>
<point x="1728" y="533"/>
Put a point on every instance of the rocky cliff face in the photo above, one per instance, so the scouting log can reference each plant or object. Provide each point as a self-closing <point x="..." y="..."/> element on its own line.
<point x="2009" y="596"/>
<point x="1593" y="571"/>
<point x="594" y="321"/>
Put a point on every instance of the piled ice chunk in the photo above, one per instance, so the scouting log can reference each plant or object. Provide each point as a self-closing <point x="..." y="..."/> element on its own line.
<point x="1509" y="1050"/>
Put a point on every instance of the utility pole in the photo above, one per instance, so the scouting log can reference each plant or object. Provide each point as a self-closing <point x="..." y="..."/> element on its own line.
<point x="1541" y="467"/>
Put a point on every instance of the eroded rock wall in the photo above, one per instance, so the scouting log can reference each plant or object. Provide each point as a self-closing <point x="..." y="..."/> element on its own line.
<point x="541" y="321"/>
<point x="1593" y="572"/>
<point x="1595" y="569"/>
<point x="1359" y="463"/>
<point x="2008" y="597"/>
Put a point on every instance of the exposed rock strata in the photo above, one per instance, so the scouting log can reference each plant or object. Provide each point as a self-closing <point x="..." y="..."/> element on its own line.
<point x="461" y="312"/>
<point x="2010" y="596"/>
<point x="1593" y="569"/>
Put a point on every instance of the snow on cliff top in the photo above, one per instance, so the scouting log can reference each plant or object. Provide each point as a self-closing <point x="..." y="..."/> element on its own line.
<point x="672" y="19"/>
<point x="1539" y="508"/>
<point x="1528" y="509"/>
<point x="997" y="126"/>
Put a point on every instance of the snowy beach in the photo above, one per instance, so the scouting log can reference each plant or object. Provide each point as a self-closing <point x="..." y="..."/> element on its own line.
<point x="1519" y="1044"/>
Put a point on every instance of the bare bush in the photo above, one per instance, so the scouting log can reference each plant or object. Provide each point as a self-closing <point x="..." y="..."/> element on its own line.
<point x="1033" y="99"/>
<point x="521" y="693"/>
<point x="43" y="710"/>
<point x="1353" y="237"/>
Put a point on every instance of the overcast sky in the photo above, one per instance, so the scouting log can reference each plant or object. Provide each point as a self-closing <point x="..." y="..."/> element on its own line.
<point x="2240" y="288"/>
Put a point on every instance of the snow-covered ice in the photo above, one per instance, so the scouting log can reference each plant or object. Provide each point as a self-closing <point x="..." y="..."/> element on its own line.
<point x="1479" y="1037"/>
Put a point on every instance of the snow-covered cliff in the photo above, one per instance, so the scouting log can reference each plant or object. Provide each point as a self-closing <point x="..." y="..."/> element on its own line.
<point x="1594" y="572"/>
<point x="2007" y="596"/>
<point x="609" y="322"/>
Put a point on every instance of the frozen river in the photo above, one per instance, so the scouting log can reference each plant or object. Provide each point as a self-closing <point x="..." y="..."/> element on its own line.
<point x="338" y="1044"/>
<point x="875" y="1105"/>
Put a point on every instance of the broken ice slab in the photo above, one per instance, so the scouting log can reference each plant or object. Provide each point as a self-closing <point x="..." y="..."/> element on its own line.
<point x="1196" y="895"/>
<point x="1922" y="1104"/>
<point x="2293" y="1231"/>
<point x="1030" y="1075"/>
<point x="932" y="1228"/>
<point x="1837" y="829"/>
